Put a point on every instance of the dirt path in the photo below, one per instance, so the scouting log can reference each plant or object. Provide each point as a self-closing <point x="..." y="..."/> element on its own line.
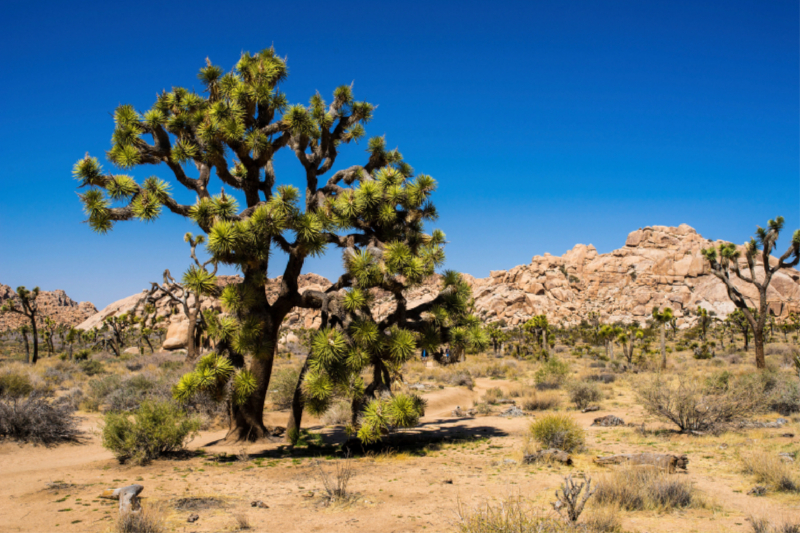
<point x="469" y="460"/>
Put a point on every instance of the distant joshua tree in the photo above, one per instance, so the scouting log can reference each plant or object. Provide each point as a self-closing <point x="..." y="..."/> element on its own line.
<point x="725" y="259"/>
<point x="25" y="304"/>
<point x="663" y="318"/>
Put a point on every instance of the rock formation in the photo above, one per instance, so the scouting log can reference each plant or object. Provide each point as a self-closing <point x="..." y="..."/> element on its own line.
<point x="54" y="304"/>
<point x="657" y="266"/>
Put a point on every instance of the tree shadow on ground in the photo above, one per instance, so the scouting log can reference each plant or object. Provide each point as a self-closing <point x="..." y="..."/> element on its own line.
<point x="335" y="443"/>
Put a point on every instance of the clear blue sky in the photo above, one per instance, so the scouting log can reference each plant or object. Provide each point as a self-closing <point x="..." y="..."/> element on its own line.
<point x="546" y="123"/>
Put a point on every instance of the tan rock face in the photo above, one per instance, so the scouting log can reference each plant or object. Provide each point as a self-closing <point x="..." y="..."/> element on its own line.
<point x="54" y="304"/>
<point x="658" y="266"/>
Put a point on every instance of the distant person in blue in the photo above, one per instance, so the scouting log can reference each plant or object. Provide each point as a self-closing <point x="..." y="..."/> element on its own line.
<point x="424" y="354"/>
<point x="447" y="354"/>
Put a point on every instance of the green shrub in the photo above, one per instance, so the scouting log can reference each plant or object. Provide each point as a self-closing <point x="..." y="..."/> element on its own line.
<point x="493" y="395"/>
<point x="582" y="393"/>
<point x="557" y="431"/>
<point x="154" y="429"/>
<point x="552" y="374"/>
<point x="281" y="387"/>
<point x="15" y="385"/>
<point x="82" y="355"/>
<point x="91" y="367"/>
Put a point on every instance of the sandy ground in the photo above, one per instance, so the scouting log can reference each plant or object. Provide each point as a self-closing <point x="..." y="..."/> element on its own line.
<point x="467" y="460"/>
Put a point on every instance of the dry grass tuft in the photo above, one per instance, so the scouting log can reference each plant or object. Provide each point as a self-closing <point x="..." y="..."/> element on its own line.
<point x="762" y="525"/>
<point x="150" y="519"/>
<point x="636" y="488"/>
<point x="241" y="521"/>
<point x="541" y="401"/>
<point x="515" y="515"/>
<point x="770" y="470"/>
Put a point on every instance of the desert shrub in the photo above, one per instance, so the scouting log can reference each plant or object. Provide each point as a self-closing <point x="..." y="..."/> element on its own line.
<point x="602" y="378"/>
<point x="153" y="430"/>
<point x="82" y="355"/>
<point x="115" y="393"/>
<point x="493" y="395"/>
<point x="541" y="401"/>
<point x="551" y="374"/>
<point x="282" y="386"/>
<point x="784" y="398"/>
<point x="513" y="515"/>
<point x="582" y="393"/>
<point x="34" y="419"/>
<point x="60" y="372"/>
<point x="691" y="407"/>
<point x="71" y="398"/>
<point x="90" y="367"/>
<point x="597" y="364"/>
<point x="557" y="431"/>
<point x="339" y="414"/>
<point x="518" y="392"/>
<point x="645" y="488"/>
<point x="762" y="525"/>
<point x="461" y="378"/>
<point x="15" y="384"/>
<point x="496" y="371"/>
<point x="482" y="408"/>
<point x="770" y="470"/>
<point x="150" y="519"/>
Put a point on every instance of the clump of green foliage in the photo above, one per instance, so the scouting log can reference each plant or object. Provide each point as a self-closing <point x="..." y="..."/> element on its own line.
<point x="557" y="431"/>
<point x="153" y="430"/>
<point x="552" y="374"/>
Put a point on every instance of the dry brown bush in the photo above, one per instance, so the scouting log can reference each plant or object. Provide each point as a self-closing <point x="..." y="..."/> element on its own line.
<point x="541" y="401"/>
<point x="770" y="470"/>
<point x="693" y="408"/>
<point x="635" y="488"/>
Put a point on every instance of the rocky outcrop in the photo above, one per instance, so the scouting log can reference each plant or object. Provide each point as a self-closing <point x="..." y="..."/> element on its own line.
<point x="54" y="304"/>
<point x="658" y="266"/>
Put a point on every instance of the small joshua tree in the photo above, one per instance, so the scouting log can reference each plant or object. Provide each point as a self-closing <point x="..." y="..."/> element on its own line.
<point x="538" y="327"/>
<point x="725" y="259"/>
<point x="662" y="318"/>
<point x="24" y="330"/>
<point x="198" y="281"/>
<point x="608" y="334"/>
<point x="25" y="304"/>
<point x="704" y="319"/>
<point x="357" y="343"/>
<point x="628" y="338"/>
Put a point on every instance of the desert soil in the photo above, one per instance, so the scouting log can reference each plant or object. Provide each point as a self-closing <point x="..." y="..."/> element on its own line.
<point x="466" y="461"/>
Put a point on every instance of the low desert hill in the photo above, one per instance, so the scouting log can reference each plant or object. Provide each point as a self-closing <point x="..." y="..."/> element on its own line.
<point x="55" y="304"/>
<point x="657" y="266"/>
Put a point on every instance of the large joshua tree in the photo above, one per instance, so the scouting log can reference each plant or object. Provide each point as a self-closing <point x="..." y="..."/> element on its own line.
<point x="233" y="132"/>
<point x="25" y="304"/>
<point x="725" y="259"/>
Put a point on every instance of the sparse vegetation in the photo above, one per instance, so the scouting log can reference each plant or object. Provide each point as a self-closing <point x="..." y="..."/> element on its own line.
<point x="558" y="431"/>
<point x="583" y="393"/>
<point x="693" y="408"/>
<point x="637" y="488"/>
<point x="150" y="519"/>
<point x="152" y="430"/>
<point x="771" y="470"/>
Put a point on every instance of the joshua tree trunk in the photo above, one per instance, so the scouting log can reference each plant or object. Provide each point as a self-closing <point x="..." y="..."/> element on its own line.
<point x="247" y="420"/>
<point x="191" y="342"/>
<point x="611" y="350"/>
<point x="27" y="348"/>
<point x="663" y="346"/>
<point x="296" y="416"/>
